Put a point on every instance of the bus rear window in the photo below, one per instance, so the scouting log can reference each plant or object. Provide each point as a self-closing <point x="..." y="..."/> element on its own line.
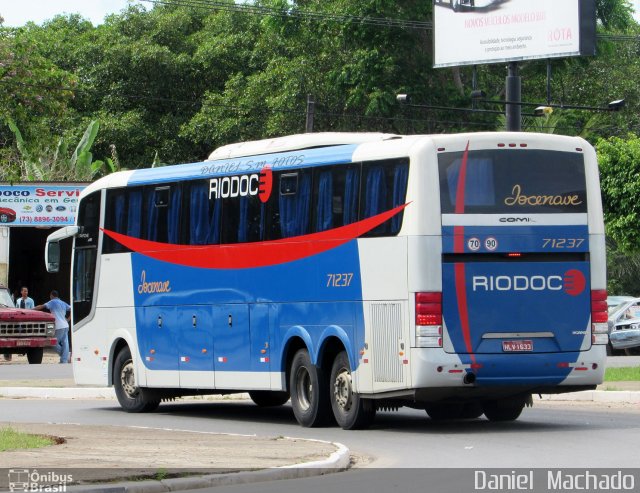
<point x="513" y="181"/>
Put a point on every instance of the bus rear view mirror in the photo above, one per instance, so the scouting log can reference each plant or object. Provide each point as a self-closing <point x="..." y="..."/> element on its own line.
<point x="53" y="257"/>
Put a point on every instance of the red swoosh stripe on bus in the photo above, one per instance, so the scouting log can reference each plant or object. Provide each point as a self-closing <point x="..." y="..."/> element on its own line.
<point x="458" y="231"/>
<point x="251" y="255"/>
<point x="458" y="247"/>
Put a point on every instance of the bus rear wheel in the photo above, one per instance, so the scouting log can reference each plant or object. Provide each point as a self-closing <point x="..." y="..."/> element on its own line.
<point x="132" y="398"/>
<point x="34" y="356"/>
<point x="266" y="398"/>
<point x="309" y="392"/>
<point x="503" y="409"/>
<point x="350" y="410"/>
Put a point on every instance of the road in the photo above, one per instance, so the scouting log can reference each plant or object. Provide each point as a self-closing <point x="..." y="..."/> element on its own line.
<point x="403" y="451"/>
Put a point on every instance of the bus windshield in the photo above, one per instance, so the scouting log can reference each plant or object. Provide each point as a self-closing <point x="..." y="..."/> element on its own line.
<point x="514" y="181"/>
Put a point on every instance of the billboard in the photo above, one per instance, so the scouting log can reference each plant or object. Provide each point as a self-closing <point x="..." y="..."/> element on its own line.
<point x="39" y="205"/>
<point x="473" y="32"/>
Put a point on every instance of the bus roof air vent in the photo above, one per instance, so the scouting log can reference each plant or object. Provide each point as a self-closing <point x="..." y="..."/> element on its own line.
<point x="296" y="142"/>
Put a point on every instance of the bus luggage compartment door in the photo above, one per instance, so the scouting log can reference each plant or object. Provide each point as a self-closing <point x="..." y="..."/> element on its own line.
<point x="501" y="307"/>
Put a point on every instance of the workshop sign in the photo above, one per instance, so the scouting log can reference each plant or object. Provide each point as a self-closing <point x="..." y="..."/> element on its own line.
<point x="39" y="205"/>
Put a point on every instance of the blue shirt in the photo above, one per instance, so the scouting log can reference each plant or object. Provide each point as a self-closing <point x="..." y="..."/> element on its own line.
<point x="28" y="303"/>
<point x="59" y="310"/>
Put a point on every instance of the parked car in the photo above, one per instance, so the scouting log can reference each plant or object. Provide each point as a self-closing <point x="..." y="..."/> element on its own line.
<point x="7" y="215"/>
<point x="24" y="331"/>
<point x="624" y="327"/>
<point x="614" y="301"/>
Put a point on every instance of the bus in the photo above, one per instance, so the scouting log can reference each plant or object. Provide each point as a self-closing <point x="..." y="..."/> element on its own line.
<point x="347" y="272"/>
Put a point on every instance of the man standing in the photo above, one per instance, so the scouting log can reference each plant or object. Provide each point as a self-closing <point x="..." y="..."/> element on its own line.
<point x="61" y="311"/>
<point x="24" y="301"/>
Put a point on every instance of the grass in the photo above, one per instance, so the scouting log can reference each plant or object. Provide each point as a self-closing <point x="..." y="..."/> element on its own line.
<point x="630" y="374"/>
<point x="11" y="439"/>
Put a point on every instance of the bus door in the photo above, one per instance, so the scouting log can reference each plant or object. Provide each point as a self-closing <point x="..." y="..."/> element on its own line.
<point x="516" y="276"/>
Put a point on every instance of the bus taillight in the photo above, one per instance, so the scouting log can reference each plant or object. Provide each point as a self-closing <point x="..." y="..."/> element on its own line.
<point x="429" y="319"/>
<point x="599" y="317"/>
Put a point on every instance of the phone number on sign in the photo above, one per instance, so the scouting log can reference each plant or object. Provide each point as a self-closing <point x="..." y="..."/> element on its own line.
<point x="45" y="219"/>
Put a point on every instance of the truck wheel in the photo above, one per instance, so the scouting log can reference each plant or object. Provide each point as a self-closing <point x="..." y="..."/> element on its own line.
<point x="132" y="398"/>
<point x="309" y="393"/>
<point x="267" y="398"/>
<point x="351" y="411"/>
<point x="503" y="410"/>
<point x="455" y="5"/>
<point x="34" y="356"/>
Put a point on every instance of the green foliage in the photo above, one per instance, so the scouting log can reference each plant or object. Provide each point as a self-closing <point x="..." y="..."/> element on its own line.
<point x="37" y="164"/>
<point x="619" y="161"/>
<point x="11" y="439"/>
<point x="627" y="374"/>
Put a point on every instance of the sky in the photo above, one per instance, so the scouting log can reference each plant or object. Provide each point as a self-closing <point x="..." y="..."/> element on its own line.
<point x="18" y="12"/>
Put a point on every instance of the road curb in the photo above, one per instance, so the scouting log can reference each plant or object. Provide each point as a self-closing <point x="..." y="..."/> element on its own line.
<point x="627" y="396"/>
<point x="630" y="396"/>
<point x="336" y="462"/>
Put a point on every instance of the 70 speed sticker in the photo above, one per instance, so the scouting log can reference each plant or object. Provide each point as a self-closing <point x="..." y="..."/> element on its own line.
<point x="490" y="244"/>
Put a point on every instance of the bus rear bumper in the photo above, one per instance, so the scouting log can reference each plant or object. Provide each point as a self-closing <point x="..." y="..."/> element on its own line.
<point x="432" y="367"/>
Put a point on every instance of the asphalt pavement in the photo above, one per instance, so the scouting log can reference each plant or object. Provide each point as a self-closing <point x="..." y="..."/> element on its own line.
<point x="170" y="460"/>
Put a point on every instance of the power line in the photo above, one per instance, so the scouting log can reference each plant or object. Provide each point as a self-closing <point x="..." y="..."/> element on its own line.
<point x="246" y="8"/>
<point x="295" y="13"/>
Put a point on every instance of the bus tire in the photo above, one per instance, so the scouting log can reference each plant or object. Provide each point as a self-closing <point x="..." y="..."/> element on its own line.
<point x="267" y="398"/>
<point x="132" y="399"/>
<point x="34" y="356"/>
<point x="442" y="411"/>
<point x="309" y="392"/>
<point x="503" y="409"/>
<point x="471" y="410"/>
<point x="351" y="411"/>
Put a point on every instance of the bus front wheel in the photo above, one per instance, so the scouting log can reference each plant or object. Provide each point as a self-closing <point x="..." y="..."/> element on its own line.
<point x="132" y="398"/>
<point x="309" y="393"/>
<point x="350" y="410"/>
<point x="504" y="409"/>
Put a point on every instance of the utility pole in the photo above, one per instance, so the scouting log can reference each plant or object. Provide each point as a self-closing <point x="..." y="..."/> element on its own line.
<point x="310" y="114"/>
<point x="513" y="111"/>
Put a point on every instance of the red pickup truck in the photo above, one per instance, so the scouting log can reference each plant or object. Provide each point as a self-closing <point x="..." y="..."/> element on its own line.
<point x="24" y="331"/>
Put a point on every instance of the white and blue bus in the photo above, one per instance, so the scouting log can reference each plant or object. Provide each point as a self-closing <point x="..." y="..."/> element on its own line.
<point x="459" y="274"/>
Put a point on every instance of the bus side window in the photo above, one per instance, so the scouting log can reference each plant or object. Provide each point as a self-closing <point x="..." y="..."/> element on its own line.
<point x="122" y="216"/>
<point x="162" y="213"/>
<point x="242" y="220"/>
<point x="204" y="215"/>
<point x="384" y="188"/>
<point x="335" y="197"/>
<point x="115" y="220"/>
<point x="295" y="203"/>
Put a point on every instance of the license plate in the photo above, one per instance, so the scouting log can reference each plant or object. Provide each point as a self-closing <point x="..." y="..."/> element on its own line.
<point x="23" y="343"/>
<point x="517" y="346"/>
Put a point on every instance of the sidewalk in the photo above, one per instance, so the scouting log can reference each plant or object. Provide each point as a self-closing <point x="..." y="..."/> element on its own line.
<point x="146" y="460"/>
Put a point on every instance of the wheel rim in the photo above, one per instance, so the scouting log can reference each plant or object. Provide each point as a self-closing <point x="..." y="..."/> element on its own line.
<point x="342" y="393"/>
<point x="128" y="380"/>
<point x="304" y="388"/>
